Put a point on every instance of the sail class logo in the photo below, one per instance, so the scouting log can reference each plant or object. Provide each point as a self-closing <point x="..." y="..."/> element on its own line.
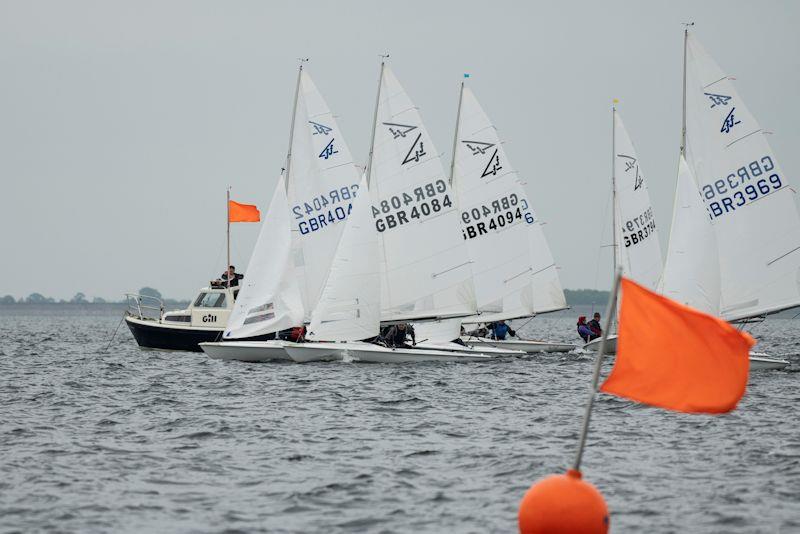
<point x="478" y="147"/>
<point x="399" y="130"/>
<point x="320" y="128"/>
<point x="729" y="122"/>
<point x="416" y="151"/>
<point x="718" y="100"/>
<point x="632" y="163"/>
<point x="328" y="151"/>
<point x="492" y="166"/>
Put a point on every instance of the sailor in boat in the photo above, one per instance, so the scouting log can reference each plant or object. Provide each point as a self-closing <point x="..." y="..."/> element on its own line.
<point x="397" y="335"/>
<point x="584" y="331"/>
<point x="594" y="326"/>
<point x="231" y="275"/>
<point x="296" y="334"/>
<point x="500" y="330"/>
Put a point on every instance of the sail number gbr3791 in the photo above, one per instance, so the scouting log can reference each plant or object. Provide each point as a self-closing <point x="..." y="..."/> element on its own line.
<point x="413" y="205"/>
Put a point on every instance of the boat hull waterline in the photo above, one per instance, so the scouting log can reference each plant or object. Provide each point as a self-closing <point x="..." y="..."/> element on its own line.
<point x="530" y="347"/>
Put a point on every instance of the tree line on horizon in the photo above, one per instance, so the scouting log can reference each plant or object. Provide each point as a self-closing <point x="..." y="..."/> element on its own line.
<point x="81" y="298"/>
<point x="574" y="297"/>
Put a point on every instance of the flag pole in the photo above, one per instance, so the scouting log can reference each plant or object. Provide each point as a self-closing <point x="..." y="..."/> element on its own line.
<point x="598" y="363"/>
<point x="227" y="265"/>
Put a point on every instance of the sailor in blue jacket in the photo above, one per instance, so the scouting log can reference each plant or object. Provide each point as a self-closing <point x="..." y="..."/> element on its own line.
<point x="499" y="330"/>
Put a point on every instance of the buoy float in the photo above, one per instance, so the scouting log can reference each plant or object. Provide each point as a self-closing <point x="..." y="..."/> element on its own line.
<point x="563" y="504"/>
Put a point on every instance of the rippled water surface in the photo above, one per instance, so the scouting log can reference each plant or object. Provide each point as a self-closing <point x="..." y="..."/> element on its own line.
<point x="175" y="442"/>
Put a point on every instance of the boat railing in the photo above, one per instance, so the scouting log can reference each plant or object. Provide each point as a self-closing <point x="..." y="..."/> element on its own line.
<point x="144" y="306"/>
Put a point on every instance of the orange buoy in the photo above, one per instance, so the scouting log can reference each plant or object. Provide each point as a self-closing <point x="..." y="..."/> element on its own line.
<point x="563" y="504"/>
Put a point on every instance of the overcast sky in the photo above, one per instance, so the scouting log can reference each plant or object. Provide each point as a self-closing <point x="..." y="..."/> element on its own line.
<point x="122" y="123"/>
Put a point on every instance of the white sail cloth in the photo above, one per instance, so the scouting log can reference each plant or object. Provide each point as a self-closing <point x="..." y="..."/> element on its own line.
<point x="349" y="308"/>
<point x="691" y="271"/>
<point x="637" y="246"/>
<point x="425" y="269"/>
<point x="513" y="269"/>
<point x="322" y="183"/>
<point x="746" y="194"/>
<point x="269" y="299"/>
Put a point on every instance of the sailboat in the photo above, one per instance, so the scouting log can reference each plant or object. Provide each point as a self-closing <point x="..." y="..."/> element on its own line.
<point x="636" y="247"/>
<point x="300" y="234"/>
<point x="425" y="268"/>
<point x="513" y="271"/>
<point x="724" y="255"/>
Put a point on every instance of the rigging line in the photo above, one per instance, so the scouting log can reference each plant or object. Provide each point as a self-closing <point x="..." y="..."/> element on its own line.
<point x="114" y="335"/>
<point x="600" y="249"/>
<point x="716" y="81"/>
<point x="450" y="269"/>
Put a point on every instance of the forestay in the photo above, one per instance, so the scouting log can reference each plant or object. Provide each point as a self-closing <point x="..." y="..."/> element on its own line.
<point x="322" y="184"/>
<point x="349" y="308"/>
<point x="513" y="269"/>
<point x="269" y="299"/>
<point x="638" y="247"/>
<point x="746" y="194"/>
<point x="425" y="269"/>
<point x="691" y="272"/>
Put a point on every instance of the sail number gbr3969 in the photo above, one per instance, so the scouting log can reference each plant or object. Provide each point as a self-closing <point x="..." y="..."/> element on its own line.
<point x="742" y="186"/>
<point x="403" y="208"/>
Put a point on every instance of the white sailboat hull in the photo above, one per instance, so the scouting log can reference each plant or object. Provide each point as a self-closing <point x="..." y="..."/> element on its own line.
<point x="760" y="362"/>
<point x="379" y="354"/>
<point x="318" y="352"/>
<point x="470" y="347"/>
<point x="529" y="347"/>
<point x="248" y="351"/>
<point x="611" y="345"/>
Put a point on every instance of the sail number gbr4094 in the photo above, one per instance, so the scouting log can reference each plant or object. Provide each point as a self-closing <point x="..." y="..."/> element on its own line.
<point x="405" y="207"/>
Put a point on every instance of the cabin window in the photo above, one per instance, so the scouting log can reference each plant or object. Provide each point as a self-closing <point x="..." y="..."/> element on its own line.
<point x="179" y="318"/>
<point x="210" y="300"/>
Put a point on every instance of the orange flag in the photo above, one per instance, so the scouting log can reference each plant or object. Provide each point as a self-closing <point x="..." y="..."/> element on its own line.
<point x="675" y="357"/>
<point x="242" y="212"/>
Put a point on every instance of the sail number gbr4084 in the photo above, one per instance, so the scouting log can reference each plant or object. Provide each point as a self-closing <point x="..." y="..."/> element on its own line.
<point x="420" y="203"/>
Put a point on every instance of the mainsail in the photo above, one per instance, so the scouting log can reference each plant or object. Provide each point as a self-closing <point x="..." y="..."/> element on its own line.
<point x="424" y="262"/>
<point x="691" y="271"/>
<point x="322" y="183"/>
<point x="746" y="194"/>
<point x="269" y="299"/>
<point x="513" y="269"/>
<point x="637" y="246"/>
<point x="349" y="309"/>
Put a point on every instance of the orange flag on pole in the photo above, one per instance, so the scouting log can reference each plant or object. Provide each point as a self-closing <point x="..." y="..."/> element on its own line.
<point x="675" y="357"/>
<point x="242" y="212"/>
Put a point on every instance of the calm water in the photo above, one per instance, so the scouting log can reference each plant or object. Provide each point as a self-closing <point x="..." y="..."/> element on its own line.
<point x="174" y="442"/>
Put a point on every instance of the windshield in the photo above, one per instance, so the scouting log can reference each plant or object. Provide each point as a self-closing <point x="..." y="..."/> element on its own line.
<point x="210" y="300"/>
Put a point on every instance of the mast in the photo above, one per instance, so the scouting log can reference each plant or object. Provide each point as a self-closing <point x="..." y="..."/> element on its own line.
<point x="683" y="116"/>
<point x="228" y="208"/>
<point x="455" y="133"/>
<point x="294" y="115"/>
<point x="375" y="118"/>
<point x="614" y="182"/>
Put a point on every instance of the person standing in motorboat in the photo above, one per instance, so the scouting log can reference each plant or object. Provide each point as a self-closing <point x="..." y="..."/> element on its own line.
<point x="500" y="330"/>
<point x="231" y="275"/>
<point x="584" y="331"/>
<point x="397" y="335"/>
<point x="594" y="326"/>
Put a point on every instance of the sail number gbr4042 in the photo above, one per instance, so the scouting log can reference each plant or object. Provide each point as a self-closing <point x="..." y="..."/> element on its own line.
<point x="325" y="210"/>
<point x="405" y="207"/>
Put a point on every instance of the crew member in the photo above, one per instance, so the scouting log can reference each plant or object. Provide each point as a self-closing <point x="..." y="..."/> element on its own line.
<point x="594" y="326"/>
<point x="499" y="330"/>
<point x="584" y="331"/>
<point x="397" y="334"/>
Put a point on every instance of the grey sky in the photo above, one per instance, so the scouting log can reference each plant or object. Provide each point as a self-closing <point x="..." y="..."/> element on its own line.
<point x="121" y="123"/>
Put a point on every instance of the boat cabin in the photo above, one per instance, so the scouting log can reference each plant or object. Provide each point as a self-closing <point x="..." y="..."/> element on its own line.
<point x="211" y="308"/>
